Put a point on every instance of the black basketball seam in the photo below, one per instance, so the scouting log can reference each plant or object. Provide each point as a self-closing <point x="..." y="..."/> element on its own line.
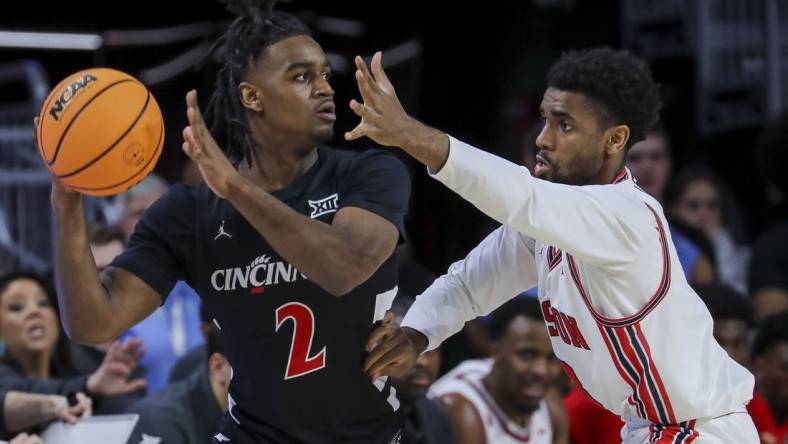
<point x="73" y="119"/>
<point x="112" y="146"/>
<point x="159" y="148"/>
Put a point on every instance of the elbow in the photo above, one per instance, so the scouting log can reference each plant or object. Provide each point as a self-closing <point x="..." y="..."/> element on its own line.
<point x="345" y="282"/>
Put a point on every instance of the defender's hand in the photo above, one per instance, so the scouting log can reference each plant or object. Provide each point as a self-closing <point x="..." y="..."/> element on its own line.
<point x="382" y="117"/>
<point x="392" y="349"/>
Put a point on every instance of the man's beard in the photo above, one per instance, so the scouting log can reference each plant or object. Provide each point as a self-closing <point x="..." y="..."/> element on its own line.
<point x="584" y="170"/>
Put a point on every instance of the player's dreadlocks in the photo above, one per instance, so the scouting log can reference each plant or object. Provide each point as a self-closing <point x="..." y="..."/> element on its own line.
<point x="257" y="27"/>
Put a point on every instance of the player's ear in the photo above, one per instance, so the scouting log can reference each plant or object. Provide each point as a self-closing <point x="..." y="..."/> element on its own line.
<point x="251" y="96"/>
<point x="616" y="139"/>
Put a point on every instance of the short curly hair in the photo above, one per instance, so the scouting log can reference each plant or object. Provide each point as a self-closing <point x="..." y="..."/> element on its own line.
<point x="619" y="84"/>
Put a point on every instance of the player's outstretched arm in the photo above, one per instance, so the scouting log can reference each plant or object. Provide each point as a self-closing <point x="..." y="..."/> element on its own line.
<point x="573" y="219"/>
<point x="355" y="245"/>
<point x="93" y="309"/>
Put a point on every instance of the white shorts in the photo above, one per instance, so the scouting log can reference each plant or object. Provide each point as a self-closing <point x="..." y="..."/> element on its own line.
<point x="733" y="428"/>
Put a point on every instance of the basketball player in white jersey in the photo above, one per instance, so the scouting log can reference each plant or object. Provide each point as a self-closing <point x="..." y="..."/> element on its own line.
<point x="502" y="399"/>
<point x="621" y="315"/>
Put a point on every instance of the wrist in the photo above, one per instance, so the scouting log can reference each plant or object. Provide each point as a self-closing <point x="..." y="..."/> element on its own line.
<point x="417" y="338"/>
<point x="49" y="408"/>
<point x="66" y="203"/>
<point x="428" y="145"/>
<point x="236" y="185"/>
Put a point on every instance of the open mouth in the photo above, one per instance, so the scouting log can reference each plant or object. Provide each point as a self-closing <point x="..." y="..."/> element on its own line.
<point x="36" y="331"/>
<point x="542" y="166"/>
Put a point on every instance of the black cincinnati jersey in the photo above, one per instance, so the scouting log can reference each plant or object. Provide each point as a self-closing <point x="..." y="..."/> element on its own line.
<point x="295" y="350"/>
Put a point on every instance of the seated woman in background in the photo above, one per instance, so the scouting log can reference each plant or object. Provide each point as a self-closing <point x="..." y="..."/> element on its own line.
<point x="36" y="354"/>
<point x="700" y="199"/>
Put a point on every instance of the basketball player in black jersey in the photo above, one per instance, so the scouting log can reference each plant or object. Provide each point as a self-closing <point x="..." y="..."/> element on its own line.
<point x="289" y="243"/>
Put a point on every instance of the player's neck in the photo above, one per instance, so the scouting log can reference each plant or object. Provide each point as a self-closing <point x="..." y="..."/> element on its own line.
<point x="503" y="400"/>
<point x="609" y="171"/>
<point x="34" y="364"/>
<point x="274" y="169"/>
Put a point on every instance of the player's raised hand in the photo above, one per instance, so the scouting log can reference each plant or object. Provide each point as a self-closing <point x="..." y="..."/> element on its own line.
<point x="201" y="147"/>
<point x="382" y="117"/>
<point x="385" y="121"/>
<point x="392" y="349"/>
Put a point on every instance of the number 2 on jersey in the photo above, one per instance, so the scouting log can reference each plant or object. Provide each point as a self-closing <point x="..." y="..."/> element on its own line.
<point x="299" y="363"/>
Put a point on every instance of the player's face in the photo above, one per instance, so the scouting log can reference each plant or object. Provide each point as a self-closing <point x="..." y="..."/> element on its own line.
<point x="649" y="161"/>
<point x="571" y="143"/>
<point x="731" y="334"/>
<point x="292" y="77"/>
<point x="524" y="357"/>
<point x="28" y="323"/>
<point x="414" y="383"/>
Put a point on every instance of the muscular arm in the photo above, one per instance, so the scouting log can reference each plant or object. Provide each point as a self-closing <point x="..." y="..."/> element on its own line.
<point x="93" y="309"/>
<point x="355" y="244"/>
<point x="465" y="420"/>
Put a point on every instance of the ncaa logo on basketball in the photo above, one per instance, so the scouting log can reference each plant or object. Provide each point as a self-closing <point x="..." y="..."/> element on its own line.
<point x="69" y="93"/>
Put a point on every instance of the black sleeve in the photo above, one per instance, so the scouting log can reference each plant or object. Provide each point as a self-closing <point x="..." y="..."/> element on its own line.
<point x="156" y="423"/>
<point x="378" y="182"/>
<point x="769" y="264"/>
<point x="12" y="380"/>
<point x="160" y="250"/>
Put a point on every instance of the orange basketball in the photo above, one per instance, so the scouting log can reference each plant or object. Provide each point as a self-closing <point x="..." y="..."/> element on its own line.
<point x="100" y="131"/>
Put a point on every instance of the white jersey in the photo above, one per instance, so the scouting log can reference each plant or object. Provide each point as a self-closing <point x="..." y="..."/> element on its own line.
<point x="466" y="380"/>
<point x="621" y="315"/>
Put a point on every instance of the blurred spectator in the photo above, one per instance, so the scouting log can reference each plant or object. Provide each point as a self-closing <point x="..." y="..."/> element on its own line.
<point x="650" y="162"/>
<point x="770" y="363"/>
<point x="105" y="244"/>
<point x="732" y="320"/>
<point x="701" y="200"/>
<point x="506" y="399"/>
<point x="768" y="277"/>
<point x="174" y="328"/>
<point x="136" y="200"/>
<point x="425" y="420"/>
<point x="26" y="411"/>
<point x="769" y="273"/>
<point x="37" y="354"/>
<point x="193" y="360"/>
<point x="188" y="411"/>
